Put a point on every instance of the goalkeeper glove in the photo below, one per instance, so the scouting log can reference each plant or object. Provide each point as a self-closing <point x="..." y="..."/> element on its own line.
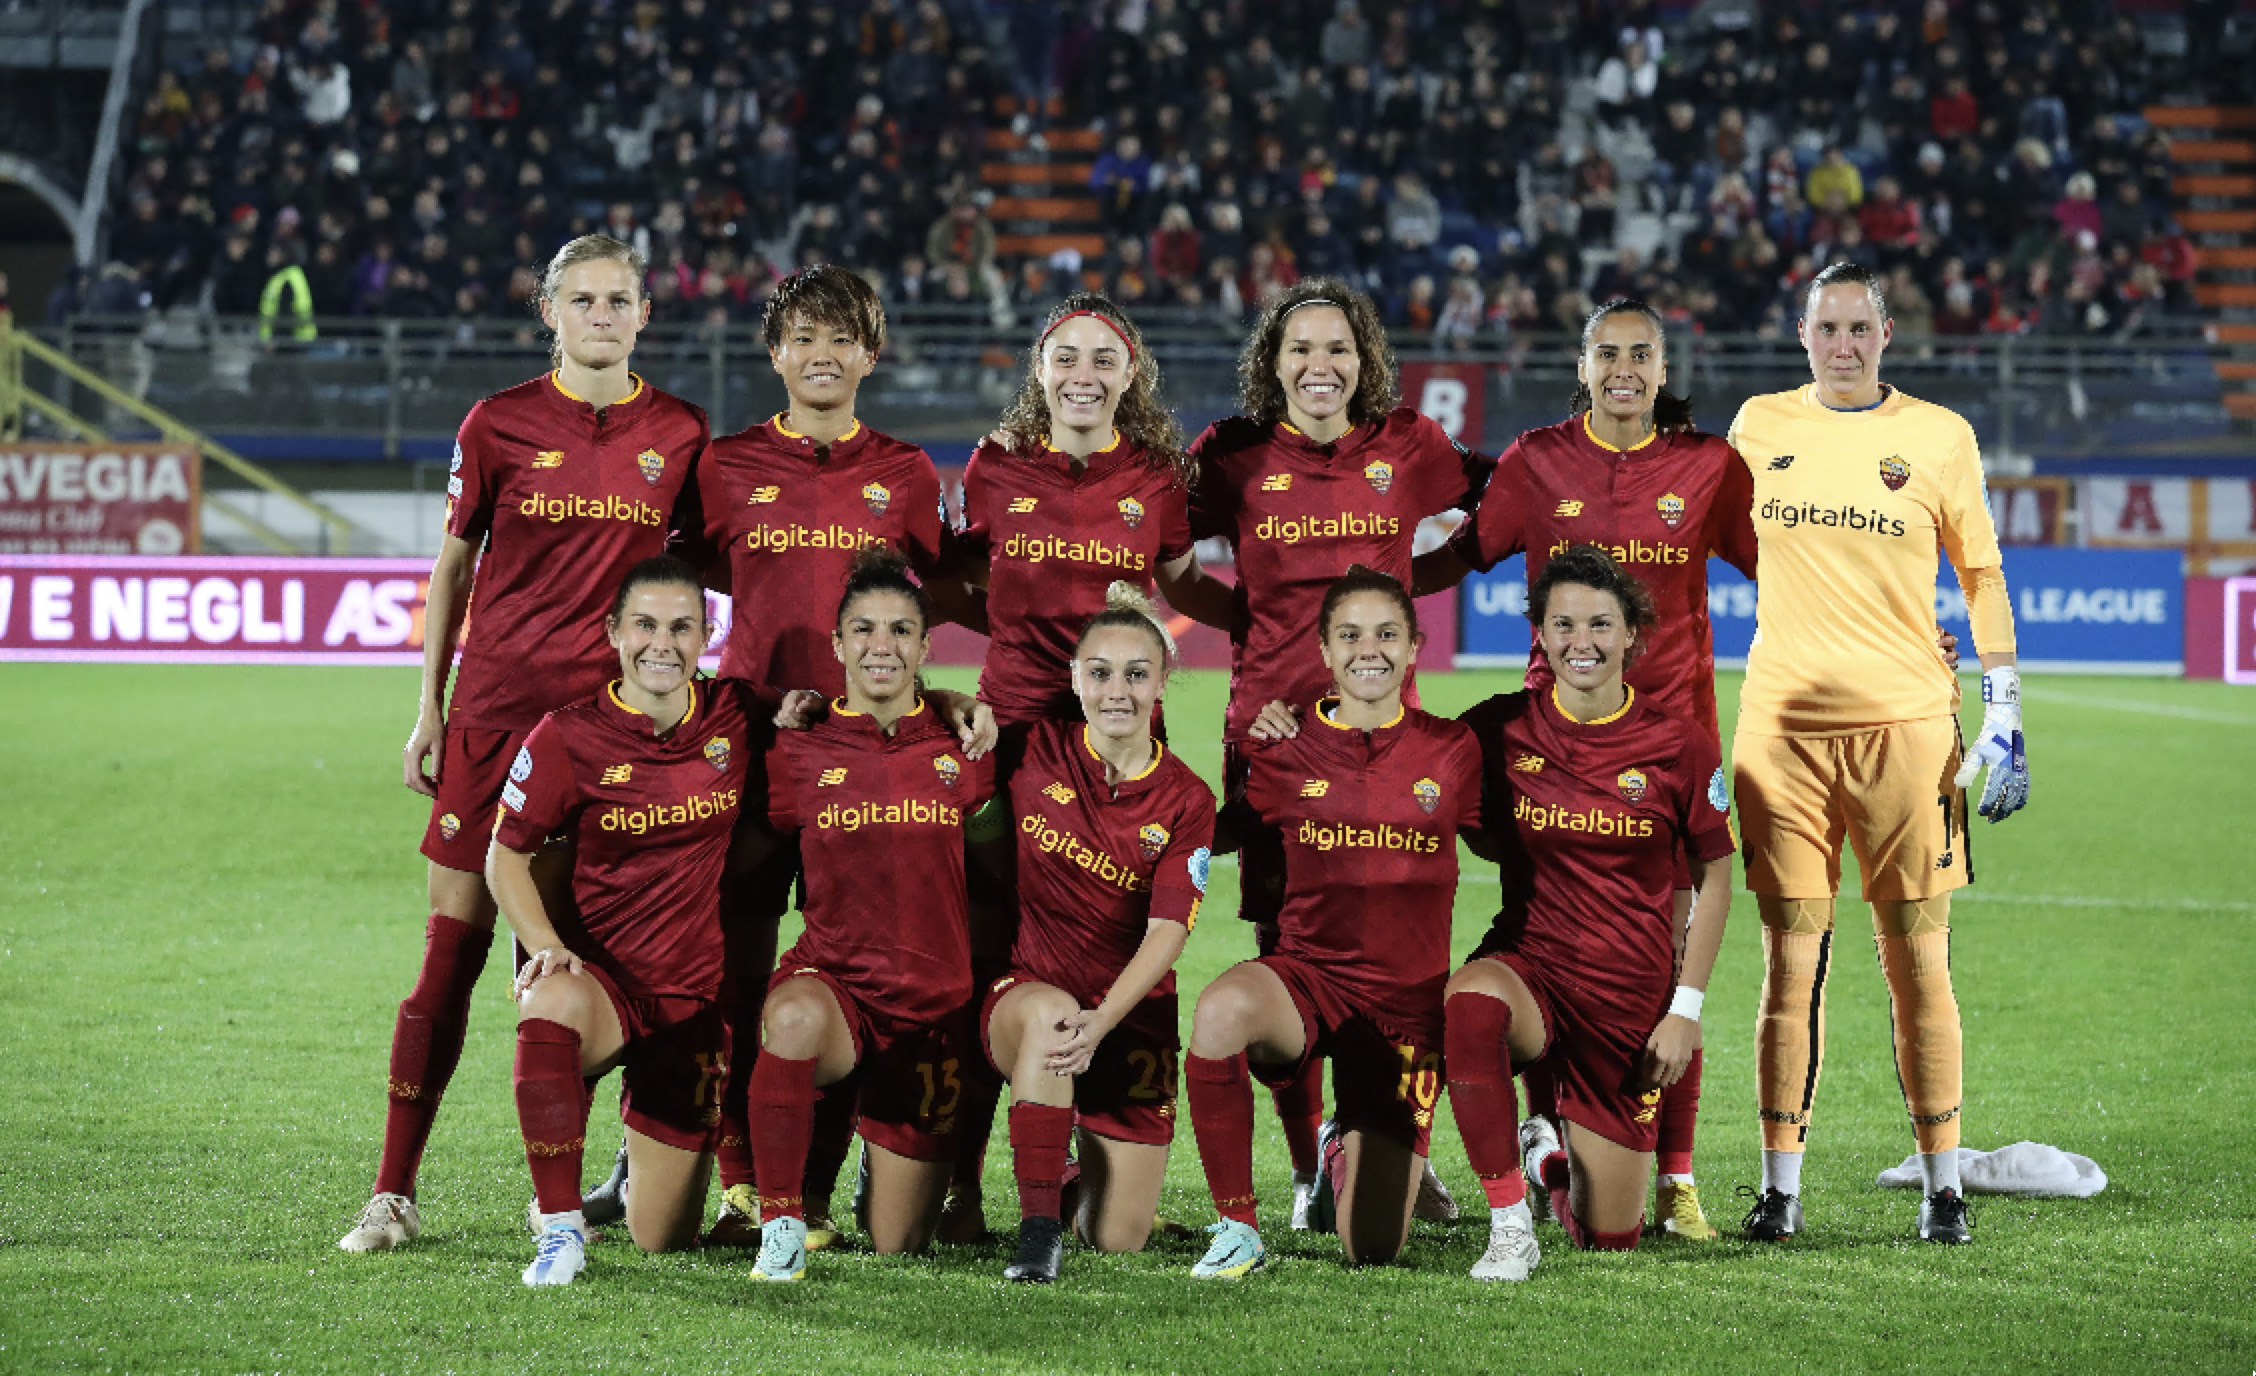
<point x="1999" y="747"/>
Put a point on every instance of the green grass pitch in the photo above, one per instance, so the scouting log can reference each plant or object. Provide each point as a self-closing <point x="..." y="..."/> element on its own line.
<point x="210" y="905"/>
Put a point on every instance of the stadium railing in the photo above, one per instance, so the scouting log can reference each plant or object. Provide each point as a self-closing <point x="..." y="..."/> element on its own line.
<point x="396" y="389"/>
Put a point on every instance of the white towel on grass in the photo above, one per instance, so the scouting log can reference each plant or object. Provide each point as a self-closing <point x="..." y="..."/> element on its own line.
<point x="2030" y="1170"/>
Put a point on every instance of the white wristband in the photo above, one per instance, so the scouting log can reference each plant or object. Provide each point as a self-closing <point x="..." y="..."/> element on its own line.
<point x="1687" y="1002"/>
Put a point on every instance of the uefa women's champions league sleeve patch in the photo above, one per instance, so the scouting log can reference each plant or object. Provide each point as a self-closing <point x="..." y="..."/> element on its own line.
<point x="1719" y="791"/>
<point x="1202" y="860"/>
<point x="521" y="768"/>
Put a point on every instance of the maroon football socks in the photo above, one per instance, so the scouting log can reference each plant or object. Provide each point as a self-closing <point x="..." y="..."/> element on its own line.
<point x="1680" y="1115"/>
<point x="1039" y="1137"/>
<point x="783" y="1123"/>
<point x="427" y="1045"/>
<point x="1300" y="1108"/>
<point x="1480" y="1093"/>
<point x="1221" y="1095"/>
<point x="552" y="1111"/>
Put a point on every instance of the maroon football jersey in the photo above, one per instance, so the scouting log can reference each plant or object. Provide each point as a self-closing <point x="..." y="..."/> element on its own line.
<point x="567" y="499"/>
<point x="1053" y="540"/>
<point x="790" y="515"/>
<point x="1660" y="509"/>
<point x="880" y="821"/>
<point x="650" y="819"/>
<point x="1590" y="817"/>
<point x="1370" y="821"/>
<point x="1095" y="863"/>
<point x="1297" y="514"/>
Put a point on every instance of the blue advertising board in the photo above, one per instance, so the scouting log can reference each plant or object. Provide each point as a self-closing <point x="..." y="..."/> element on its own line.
<point x="2100" y="611"/>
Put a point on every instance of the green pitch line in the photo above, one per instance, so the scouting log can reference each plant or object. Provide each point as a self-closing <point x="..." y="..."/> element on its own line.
<point x="211" y="905"/>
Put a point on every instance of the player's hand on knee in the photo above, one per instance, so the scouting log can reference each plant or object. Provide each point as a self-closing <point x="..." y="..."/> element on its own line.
<point x="1083" y="1031"/>
<point x="1999" y="748"/>
<point x="428" y="738"/>
<point x="549" y="960"/>
<point x="1279" y="721"/>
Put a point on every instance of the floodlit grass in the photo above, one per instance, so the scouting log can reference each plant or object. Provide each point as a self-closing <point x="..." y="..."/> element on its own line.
<point x="210" y="905"/>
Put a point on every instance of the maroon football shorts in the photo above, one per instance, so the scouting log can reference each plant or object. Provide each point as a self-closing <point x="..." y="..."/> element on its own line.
<point x="1591" y="1056"/>
<point x="674" y="1065"/>
<point x="911" y="1074"/>
<point x="1261" y="847"/>
<point x="473" y="766"/>
<point x="1386" y="1078"/>
<point x="1128" y="1092"/>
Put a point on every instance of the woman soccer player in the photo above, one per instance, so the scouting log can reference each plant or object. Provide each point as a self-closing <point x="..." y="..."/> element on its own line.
<point x="646" y="778"/>
<point x="1603" y="791"/>
<point x="1083" y="483"/>
<point x="1369" y="799"/>
<point x="879" y="986"/>
<point x="564" y="483"/>
<point x="787" y="503"/>
<point x="1628" y="472"/>
<point x="1113" y="839"/>
<point x="1324" y="469"/>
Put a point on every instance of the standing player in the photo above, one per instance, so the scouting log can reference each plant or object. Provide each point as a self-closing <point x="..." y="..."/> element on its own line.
<point x="1369" y="800"/>
<point x="566" y="482"/>
<point x="1628" y="472"/>
<point x="646" y="777"/>
<point x="1113" y="839"/>
<point x="1606" y="793"/>
<point x="1848" y="724"/>
<point x="880" y="985"/>
<point x="1324" y="470"/>
<point x="1084" y="483"/>
<point x="789" y="503"/>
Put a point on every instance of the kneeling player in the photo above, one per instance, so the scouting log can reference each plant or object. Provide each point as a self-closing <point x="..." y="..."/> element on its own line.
<point x="1113" y="838"/>
<point x="646" y="777"/>
<point x="1369" y="800"/>
<point x="879" y="986"/>
<point x="1573" y="981"/>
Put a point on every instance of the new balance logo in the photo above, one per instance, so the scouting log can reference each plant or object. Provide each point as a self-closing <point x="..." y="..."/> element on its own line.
<point x="829" y="777"/>
<point x="1315" y="788"/>
<point x="1022" y="504"/>
<point x="761" y="496"/>
<point x="1528" y="764"/>
<point x="618" y="774"/>
<point x="1569" y="507"/>
<point x="1060" y="792"/>
<point x="1782" y="463"/>
<point x="1277" y="482"/>
<point x="549" y="458"/>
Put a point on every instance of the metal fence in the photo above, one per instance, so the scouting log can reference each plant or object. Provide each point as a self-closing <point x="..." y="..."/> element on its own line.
<point x="397" y="389"/>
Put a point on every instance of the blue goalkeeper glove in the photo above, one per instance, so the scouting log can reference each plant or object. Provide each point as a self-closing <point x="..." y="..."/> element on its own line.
<point x="1999" y="747"/>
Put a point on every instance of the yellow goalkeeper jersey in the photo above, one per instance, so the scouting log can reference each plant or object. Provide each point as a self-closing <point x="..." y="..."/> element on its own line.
<point x="1852" y="510"/>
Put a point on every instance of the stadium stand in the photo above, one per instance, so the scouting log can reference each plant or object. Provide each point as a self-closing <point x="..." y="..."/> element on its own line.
<point x="1491" y="166"/>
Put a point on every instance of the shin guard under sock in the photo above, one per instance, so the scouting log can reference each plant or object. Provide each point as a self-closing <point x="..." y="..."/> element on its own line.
<point x="782" y="1105"/>
<point x="1300" y="1109"/>
<point x="1480" y="1093"/>
<point x="427" y="1045"/>
<point x="1930" y="1042"/>
<point x="1680" y="1115"/>
<point x="1039" y="1138"/>
<point x="552" y="1111"/>
<point x="1221" y="1101"/>
<point x="1790" y="1033"/>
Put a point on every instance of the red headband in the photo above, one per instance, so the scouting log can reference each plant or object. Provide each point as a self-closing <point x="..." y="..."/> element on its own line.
<point x="1109" y="324"/>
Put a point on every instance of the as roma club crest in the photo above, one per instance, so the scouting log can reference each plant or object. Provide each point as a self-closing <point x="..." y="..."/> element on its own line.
<point x="1379" y="474"/>
<point x="877" y="498"/>
<point x="1895" y="473"/>
<point x="653" y="466"/>
<point x="1428" y="794"/>
<point x="1132" y="512"/>
<point x="1671" y="508"/>
<point x="717" y="752"/>
<point x="1632" y="784"/>
<point x="450" y="826"/>
<point x="948" y="770"/>
<point x="1151" y="839"/>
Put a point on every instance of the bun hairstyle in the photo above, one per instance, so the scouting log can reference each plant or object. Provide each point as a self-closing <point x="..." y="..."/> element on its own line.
<point x="1588" y="566"/>
<point x="658" y="571"/>
<point x="1672" y="415"/>
<point x="882" y="568"/>
<point x="1126" y="607"/>
<point x="1360" y="578"/>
